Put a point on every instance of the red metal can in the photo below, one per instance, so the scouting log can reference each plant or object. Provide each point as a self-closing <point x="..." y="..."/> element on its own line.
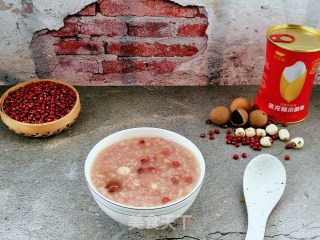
<point x="292" y="60"/>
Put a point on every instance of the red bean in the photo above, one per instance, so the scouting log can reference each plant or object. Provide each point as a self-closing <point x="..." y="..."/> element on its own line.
<point x="188" y="179"/>
<point x="216" y="131"/>
<point x="175" y="180"/>
<point x="166" y="199"/>
<point x="175" y="164"/>
<point x="152" y="168"/>
<point x="145" y="160"/>
<point x="208" y="121"/>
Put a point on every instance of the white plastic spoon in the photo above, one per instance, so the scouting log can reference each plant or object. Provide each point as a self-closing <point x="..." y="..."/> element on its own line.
<point x="264" y="181"/>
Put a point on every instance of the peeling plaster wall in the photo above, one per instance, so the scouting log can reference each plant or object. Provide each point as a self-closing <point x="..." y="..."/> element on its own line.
<point x="236" y="35"/>
<point x="17" y="26"/>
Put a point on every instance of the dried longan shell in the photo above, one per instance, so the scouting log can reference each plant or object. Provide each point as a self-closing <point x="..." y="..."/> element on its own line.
<point x="239" y="117"/>
<point x="241" y="103"/>
<point x="220" y="115"/>
<point x="258" y="118"/>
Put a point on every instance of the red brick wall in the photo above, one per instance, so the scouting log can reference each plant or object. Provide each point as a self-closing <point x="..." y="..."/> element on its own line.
<point x="122" y="42"/>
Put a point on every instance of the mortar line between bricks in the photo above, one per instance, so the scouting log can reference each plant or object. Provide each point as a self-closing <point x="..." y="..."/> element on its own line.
<point x="142" y="19"/>
<point x="164" y="40"/>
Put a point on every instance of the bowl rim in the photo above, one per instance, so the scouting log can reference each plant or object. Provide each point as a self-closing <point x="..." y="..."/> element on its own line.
<point x="20" y="85"/>
<point x="91" y="155"/>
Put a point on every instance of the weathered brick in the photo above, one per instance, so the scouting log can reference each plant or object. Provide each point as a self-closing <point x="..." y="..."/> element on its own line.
<point x="80" y="65"/>
<point x="149" y="29"/>
<point x="123" y="66"/>
<point x="162" y="67"/>
<point x="70" y="29"/>
<point x="104" y="27"/>
<point x="79" y="47"/>
<point x="151" y="49"/>
<point x="192" y="30"/>
<point x="163" y="8"/>
<point x="89" y="10"/>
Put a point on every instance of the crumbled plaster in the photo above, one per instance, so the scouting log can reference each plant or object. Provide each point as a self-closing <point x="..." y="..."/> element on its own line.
<point x="236" y="34"/>
<point x="19" y="20"/>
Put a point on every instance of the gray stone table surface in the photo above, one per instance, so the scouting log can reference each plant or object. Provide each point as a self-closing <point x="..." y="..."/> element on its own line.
<point x="43" y="192"/>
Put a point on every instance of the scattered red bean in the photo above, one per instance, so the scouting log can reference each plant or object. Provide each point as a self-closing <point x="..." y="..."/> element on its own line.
<point x="285" y="124"/>
<point x="287" y="157"/>
<point x="244" y="155"/>
<point x="208" y="121"/>
<point x="211" y="137"/>
<point x="202" y="135"/>
<point x="237" y="145"/>
<point x="39" y="102"/>
<point x="228" y="136"/>
<point x="216" y="131"/>
<point x="142" y="141"/>
<point x="235" y="156"/>
<point x="288" y="146"/>
<point x="175" y="164"/>
<point x="228" y="131"/>
<point x="210" y="132"/>
<point x="275" y="136"/>
<point x="165" y="199"/>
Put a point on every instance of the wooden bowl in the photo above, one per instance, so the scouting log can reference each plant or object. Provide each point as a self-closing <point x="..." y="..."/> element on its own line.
<point x="42" y="129"/>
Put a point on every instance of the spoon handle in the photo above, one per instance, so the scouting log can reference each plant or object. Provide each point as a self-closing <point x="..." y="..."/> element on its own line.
<point x="256" y="229"/>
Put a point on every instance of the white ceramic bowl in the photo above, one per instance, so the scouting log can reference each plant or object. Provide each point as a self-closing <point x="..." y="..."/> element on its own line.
<point x="130" y="215"/>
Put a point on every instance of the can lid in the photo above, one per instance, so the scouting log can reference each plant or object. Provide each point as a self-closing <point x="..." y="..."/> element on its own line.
<point x="295" y="38"/>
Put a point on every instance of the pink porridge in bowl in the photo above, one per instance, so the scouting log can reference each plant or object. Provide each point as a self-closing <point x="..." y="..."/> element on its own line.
<point x="145" y="172"/>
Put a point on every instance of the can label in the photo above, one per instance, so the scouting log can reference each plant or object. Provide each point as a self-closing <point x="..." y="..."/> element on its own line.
<point x="286" y="84"/>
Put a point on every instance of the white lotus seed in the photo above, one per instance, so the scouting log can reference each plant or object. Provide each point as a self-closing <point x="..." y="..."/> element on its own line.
<point x="250" y="132"/>
<point x="154" y="186"/>
<point x="240" y="132"/>
<point x="123" y="170"/>
<point x="284" y="134"/>
<point x="272" y="129"/>
<point x="261" y="132"/>
<point x="266" y="141"/>
<point x="297" y="142"/>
